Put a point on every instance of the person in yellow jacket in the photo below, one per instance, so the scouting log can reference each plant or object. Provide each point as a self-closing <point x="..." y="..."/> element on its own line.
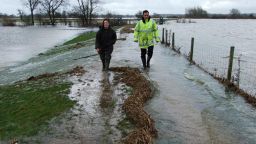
<point x="145" y="33"/>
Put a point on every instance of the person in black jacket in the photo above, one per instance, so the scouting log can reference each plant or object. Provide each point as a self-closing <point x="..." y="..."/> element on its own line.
<point x="105" y="39"/>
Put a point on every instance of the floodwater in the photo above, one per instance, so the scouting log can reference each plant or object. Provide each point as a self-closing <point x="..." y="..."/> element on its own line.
<point x="213" y="39"/>
<point x="188" y="106"/>
<point x="18" y="44"/>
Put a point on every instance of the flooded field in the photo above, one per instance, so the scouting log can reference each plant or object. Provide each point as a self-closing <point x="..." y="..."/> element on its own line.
<point x="213" y="39"/>
<point x="18" y="44"/>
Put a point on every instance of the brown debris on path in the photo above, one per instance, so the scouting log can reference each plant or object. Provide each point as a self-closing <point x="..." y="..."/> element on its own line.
<point x="133" y="106"/>
<point x="77" y="71"/>
<point x="128" y="29"/>
<point x="46" y="75"/>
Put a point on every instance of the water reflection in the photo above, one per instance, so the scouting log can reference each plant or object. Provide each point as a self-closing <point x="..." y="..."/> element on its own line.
<point x="106" y="99"/>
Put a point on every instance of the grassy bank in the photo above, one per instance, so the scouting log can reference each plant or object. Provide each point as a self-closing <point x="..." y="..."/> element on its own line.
<point x="75" y="43"/>
<point x="27" y="106"/>
<point x="82" y="37"/>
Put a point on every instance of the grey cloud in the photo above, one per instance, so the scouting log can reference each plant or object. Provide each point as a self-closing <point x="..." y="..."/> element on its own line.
<point x="154" y="6"/>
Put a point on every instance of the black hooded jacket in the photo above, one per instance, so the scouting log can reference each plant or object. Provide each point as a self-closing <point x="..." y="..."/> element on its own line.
<point x="105" y="38"/>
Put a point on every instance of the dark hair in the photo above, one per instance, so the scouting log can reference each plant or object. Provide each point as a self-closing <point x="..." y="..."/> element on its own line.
<point x="102" y="24"/>
<point x="143" y="20"/>
<point x="145" y="11"/>
<point x="106" y="19"/>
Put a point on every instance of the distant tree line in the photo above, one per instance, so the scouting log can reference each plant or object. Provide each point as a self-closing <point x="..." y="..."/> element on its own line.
<point x="199" y="12"/>
<point x="196" y="12"/>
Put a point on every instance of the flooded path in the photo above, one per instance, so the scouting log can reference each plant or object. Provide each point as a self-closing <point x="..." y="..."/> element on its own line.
<point x="188" y="107"/>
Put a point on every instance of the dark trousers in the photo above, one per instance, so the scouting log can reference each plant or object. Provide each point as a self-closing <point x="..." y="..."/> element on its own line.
<point x="105" y="56"/>
<point x="149" y="51"/>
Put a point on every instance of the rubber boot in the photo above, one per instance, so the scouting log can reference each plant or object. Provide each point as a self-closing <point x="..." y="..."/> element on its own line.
<point x="103" y="65"/>
<point x="148" y="63"/>
<point x="107" y="64"/>
<point x="143" y="59"/>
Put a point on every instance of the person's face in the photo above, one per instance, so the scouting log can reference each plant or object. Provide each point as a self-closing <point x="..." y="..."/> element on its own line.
<point x="106" y="24"/>
<point x="146" y="15"/>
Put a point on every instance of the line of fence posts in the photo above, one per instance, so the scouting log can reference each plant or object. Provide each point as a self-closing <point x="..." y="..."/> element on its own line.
<point x="166" y="38"/>
<point x="231" y="58"/>
<point x="231" y="55"/>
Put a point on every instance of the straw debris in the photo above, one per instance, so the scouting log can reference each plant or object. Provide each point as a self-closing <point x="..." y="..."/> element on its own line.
<point x="128" y="28"/>
<point x="77" y="71"/>
<point x="133" y="106"/>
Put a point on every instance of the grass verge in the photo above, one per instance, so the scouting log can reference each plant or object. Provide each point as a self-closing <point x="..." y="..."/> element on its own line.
<point x="27" y="106"/>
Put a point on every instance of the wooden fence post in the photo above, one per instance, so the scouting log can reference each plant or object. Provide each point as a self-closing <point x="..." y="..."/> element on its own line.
<point x="166" y="37"/>
<point x="230" y="65"/>
<point x="162" y="36"/>
<point x="173" y="40"/>
<point x="191" y="50"/>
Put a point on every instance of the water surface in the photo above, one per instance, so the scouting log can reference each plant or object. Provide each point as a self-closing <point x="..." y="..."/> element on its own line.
<point x="18" y="44"/>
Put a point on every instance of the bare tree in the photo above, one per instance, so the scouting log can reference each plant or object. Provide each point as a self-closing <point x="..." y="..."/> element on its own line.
<point x="51" y="6"/>
<point x="235" y="13"/>
<point x="87" y="9"/>
<point x="139" y="14"/>
<point x="83" y="6"/>
<point x="196" y="12"/>
<point x="21" y="14"/>
<point x="93" y="4"/>
<point x="32" y="4"/>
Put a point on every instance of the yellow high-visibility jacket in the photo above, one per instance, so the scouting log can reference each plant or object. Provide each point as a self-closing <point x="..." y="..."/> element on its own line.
<point x="146" y="33"/>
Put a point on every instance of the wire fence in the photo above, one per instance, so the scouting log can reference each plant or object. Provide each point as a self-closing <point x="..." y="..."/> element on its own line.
<point x="236" y="69"/>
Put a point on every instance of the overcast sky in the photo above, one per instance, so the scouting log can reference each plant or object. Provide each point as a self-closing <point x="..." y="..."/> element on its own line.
<point x="154" y="6"/>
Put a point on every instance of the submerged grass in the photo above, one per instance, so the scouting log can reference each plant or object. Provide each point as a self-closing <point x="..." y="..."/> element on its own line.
<point x="27" y="106"/>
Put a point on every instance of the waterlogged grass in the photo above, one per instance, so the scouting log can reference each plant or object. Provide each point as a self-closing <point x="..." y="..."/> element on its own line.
<point x="62" y="49"/>
<point x="25" y="107"/>
<point x="76" y="43"/>
<point x="82" y="37"/>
